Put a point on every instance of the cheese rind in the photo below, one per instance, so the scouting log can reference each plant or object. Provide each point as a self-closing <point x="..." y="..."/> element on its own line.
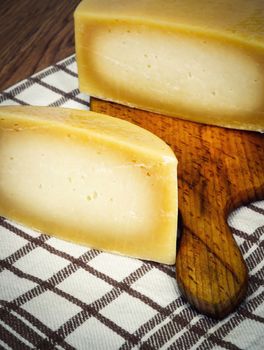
<point x="199" y="61"/>
<point x="89" y="178"/>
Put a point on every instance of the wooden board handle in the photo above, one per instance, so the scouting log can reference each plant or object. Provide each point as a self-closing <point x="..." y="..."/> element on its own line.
<point x="226" y="170"/>
<point x="211" y="272"/>
<point x="219" y="170"/>
<point x="213" y="286"/>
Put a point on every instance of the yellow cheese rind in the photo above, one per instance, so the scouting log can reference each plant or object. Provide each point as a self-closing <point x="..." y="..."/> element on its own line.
<point x="239" y="19"/>
<point x="89" y="178"/>
<point x="198" y="61"/>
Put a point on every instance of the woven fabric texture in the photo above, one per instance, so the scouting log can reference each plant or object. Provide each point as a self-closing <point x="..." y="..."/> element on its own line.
<point x="57" y="295"/>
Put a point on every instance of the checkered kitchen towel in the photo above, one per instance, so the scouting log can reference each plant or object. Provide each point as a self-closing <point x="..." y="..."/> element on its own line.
<point x="57" y="295"/>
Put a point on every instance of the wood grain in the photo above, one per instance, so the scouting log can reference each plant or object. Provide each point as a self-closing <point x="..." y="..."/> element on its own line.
<point x="33" y="35"/>
<point x="219" y="170"/>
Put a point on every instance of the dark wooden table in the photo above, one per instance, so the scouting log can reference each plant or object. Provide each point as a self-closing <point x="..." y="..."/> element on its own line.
<point x="33" y="35"/>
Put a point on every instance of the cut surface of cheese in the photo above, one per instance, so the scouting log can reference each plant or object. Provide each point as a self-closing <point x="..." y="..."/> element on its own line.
<point x="89" y="178"/>
<point x="198" y="60"/>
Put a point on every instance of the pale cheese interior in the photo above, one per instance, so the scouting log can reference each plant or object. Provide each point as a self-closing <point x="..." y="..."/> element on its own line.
<point x="89" y="190"/>
<point x="174" y="72"/>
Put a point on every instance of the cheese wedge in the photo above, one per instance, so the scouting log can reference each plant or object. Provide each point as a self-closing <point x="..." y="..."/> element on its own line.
<point x="198" y="60"/>
<point x="89" y="178"/>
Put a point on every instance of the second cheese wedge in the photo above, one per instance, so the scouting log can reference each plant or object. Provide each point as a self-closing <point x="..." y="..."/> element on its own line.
<point x="89" y="178"/>
<point x="198" y="60"/>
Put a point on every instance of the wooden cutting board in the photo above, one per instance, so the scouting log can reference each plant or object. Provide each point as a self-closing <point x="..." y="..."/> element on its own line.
<point x="219" y="170"/>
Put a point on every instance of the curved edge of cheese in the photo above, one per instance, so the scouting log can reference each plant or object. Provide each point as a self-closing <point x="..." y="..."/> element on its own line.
<point x="198" y="61"/>
<point x="90" y="179"/>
